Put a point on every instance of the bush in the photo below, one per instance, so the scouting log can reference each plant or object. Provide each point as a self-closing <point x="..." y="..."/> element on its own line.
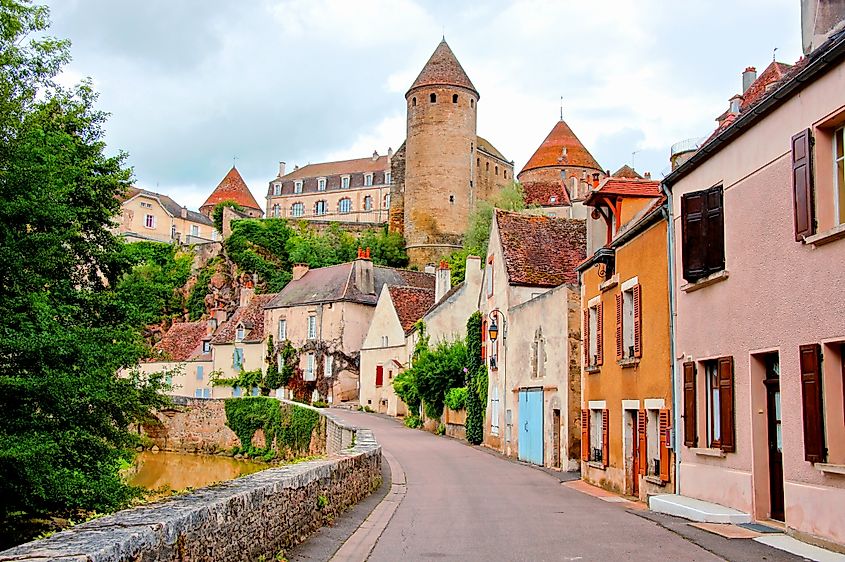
<point x="413" y="421"/>
<point x="456" y="398"/>
<point x="320" y="404"/>
<point x="441" y="429"/>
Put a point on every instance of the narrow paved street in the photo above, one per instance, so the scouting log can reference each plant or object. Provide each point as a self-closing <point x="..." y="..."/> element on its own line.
<point x="466" y="504"/>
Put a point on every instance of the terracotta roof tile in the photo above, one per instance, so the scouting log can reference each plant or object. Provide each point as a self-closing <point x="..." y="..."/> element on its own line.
<point x="625" y="187"/>
<point x="541" y="251"/>
<point x="410" y="303"/>
<point x="340" y="167"/>
<point x="181" y="342"/>
<point x="252" y="318"/>
<point x="561" y="148"/>
<point x="232" y="187"/>
<point x="443" y="69"/>
<point x="545" y="193"/>
<point x="773" y="73"/>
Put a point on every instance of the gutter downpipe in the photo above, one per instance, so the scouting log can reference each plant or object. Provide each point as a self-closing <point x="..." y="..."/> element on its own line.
<point x="676" y="415"/>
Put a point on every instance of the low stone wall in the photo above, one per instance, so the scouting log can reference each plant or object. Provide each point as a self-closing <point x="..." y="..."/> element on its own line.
<point x="260" y="515"/>
<point x="192" y="425"/>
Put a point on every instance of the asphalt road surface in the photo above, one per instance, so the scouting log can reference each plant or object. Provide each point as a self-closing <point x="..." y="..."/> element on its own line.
<point x="463" y="503"/>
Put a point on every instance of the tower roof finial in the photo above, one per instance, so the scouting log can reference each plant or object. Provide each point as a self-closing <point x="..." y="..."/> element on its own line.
<point x="561" y="108"/>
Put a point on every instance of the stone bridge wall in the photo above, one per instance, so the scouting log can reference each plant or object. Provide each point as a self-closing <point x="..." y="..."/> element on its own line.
<point x="257" y="516"/>
<point x="192" y="425"/>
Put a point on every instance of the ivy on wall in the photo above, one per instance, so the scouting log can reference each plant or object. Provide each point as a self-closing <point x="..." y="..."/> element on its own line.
<point x="476" y="380"/>
<point x="287" y="428"/>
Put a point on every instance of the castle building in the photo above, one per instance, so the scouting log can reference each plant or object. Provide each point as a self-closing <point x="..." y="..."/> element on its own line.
<point x="427" y="189"/>
<point x="232" y="188"/>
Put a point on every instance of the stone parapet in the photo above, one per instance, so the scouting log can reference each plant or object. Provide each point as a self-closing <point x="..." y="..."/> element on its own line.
<point x="253" y="517"/>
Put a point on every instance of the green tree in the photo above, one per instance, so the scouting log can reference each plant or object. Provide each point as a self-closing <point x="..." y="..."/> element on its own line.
<point x="217" y="213"/>
<point x="150" y="289"/>
<point x="64" y="413"/>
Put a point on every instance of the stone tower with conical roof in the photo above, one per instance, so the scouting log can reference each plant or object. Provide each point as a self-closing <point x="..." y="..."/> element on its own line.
<point x="232" y="188"/>
<point x="440" y="156"/>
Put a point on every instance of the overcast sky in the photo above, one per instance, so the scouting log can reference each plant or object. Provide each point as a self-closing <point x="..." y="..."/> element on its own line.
<point x="190" y="84"/>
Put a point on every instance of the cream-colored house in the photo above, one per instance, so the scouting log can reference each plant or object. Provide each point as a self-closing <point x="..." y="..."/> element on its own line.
<point x="184" y="352"/>
<point x="527" y="297"/>
<point x="146" y="215"/>
<point x="241" y="342"/>
<point x="325" y="314"/>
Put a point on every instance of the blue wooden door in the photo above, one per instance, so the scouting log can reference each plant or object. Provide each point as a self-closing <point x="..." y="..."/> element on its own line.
<point x="531" y="425"/>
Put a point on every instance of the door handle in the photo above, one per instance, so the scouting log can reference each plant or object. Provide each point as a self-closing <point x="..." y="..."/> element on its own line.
<point x="526" y="426"/>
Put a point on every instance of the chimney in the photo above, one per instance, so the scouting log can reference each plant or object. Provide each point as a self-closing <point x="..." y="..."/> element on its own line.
<point x="184" y="212"/>
<point x="443" y="281"/>
<point x="281" y="169"/>
<point x="749" y="75"/>
<point x="472" y="277"/>
<point x="647" y="175"/>
<point x="219" y="316"/>
<point x="389" y="152"/>
<point x="299" y="270"/>
<point x="247" y="291"/>
<point x="295" y="167"/>
<point x="375" y="155"/>
<point x="363" y="267"/>
<point x="429" y="268"/>
<point x="211" y="325"/>
<point x="595" y="181"/>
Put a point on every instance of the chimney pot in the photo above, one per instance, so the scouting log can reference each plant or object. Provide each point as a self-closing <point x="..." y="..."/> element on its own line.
<point x="647" y="175"/>
<point x="429" y="268"/>
<point x="375" y="155"/>
<point x="295" y="167"/>
<point x="389" y="152"/>
<point x="281" y="169"/>
<point x="749" y="75"/>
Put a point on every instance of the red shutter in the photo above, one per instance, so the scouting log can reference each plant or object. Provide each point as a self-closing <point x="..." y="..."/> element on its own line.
<point x="379" y="375"/>
<point x="690" y="423"/>
<point x="599" y="334"/>
<point x="642" y="441"/>
<point x="665" y="426"/>
<point x="802" y="184"/>
<point x="586" y="332"/>
<point x="638" y="324"/>
<point x="726" y="404"/>
<point x="620" y="352"/>
<point x="605" y="437"/>
<point x="811" y="397"/>
<point x="585" y="435"/>
<point x="693" y="236"/>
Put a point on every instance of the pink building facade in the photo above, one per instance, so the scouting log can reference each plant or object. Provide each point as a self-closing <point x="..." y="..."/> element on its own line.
<point x="759" y="272"/>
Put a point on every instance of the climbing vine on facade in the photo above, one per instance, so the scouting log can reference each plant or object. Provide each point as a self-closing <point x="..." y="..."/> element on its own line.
<point x="476" y="377"/>
<point x="287" y="428"/>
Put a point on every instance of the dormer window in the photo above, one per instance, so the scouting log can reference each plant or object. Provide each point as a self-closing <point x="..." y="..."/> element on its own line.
<point x="368" y="180"/>
<point x="240" y="333"/>
<point x="297" y="186"/>
<point x="321" y="184"/>
<point x="553" y="199"/>
<point x="344" y="182"/>
<point x="206" y="346"/>
<point x="277" y="189"/>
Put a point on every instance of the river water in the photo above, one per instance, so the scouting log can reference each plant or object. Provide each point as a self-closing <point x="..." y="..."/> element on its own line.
<point x="177" y="471"/>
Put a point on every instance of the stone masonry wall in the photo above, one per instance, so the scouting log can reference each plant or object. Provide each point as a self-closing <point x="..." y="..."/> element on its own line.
<point x="192" y="425"/>
<point x="260" y="515"/>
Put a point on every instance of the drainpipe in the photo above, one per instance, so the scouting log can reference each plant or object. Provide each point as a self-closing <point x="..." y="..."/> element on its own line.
<point x="676" y="411"/>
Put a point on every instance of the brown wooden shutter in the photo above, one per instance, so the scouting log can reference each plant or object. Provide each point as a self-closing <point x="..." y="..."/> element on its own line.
<point x="690" y="422"/>
<point x="811" y="397"/>
<point x="638" y="322"/>
<point x="642" y="441"/>
<point x="693" y="236"/>
<point x="714" y="230"/>
<point x="726" y="404"/>
<point x="585" y="435"/>
<point x="379" y="375"/>
<point x="802" y="185"/>
<point x="605" y="437"/>
<point x="599" y="334"/>
<point x="586" y="343"/>
<point x="620" y="353"/>
<point x="665" y="426"/>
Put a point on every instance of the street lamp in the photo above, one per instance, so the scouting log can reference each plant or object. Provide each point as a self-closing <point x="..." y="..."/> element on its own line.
<point x="493" y="330"/>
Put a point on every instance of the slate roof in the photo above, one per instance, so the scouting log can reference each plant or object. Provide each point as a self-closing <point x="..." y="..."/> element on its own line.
<point x="551" y="151"/>
<point x="541" y="251"/>
<point x="443" y="69"/>
<point x="541" y="193"/>
<point x="624" y="187"/>
<point x="410" y="303"/>
<point x="340" y="167"/>
<point x="171" y="206"/>
<point x="181" y="342"/>
<point x="232" y="187"/>
<point x="252" y="318"/>
<point x="484" y="144"/>
<point x="337" y="283"/>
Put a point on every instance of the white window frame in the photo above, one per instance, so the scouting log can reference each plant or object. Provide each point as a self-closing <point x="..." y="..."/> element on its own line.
<point x="328" y="363"/>
<point x="838" y="190"/>
<point x="297" y="209"/>
<point x="628" y="318"/>
<point x="368" y="180"/>
<point x="384" y="341"/>
<point x="368" y="203"/>
<point x="309" y="374"/>
<point x="494" y="411"/>
<point x="321" y="184"/>
<point x="283" y="329"/>
<point x="206" y="393"/>
<point x="195" y="230"/>
<point x="198" y="393"/>
<point x="277" y="210"/>
<point x="593" y="331"/>
<point x="345" y="182"/>
<point x="321" y="208"/>
<point x="341" y="206"/>
<point x="712" y="402"/>
<point x="297" y="186"/>
<point x="312" y="327"/>
<point x="386" y="201"/>
<point x="277" y="189"/>
<point x="596" y="434"/>
<point x="652" y="440"/>
<point x="149" y="221"/>
<point x="388" y="178"/>
<point x="240" y="333"/>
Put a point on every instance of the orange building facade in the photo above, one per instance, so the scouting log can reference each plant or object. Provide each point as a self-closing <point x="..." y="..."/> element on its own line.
<point x="626" y="383"/>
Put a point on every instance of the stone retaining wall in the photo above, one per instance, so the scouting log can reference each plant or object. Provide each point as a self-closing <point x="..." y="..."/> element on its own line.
<point x="192" y="425"/>
<point x="256" y="516"/>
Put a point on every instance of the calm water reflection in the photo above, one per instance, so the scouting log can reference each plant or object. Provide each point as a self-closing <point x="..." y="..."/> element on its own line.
<point x="180" y="470"/>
